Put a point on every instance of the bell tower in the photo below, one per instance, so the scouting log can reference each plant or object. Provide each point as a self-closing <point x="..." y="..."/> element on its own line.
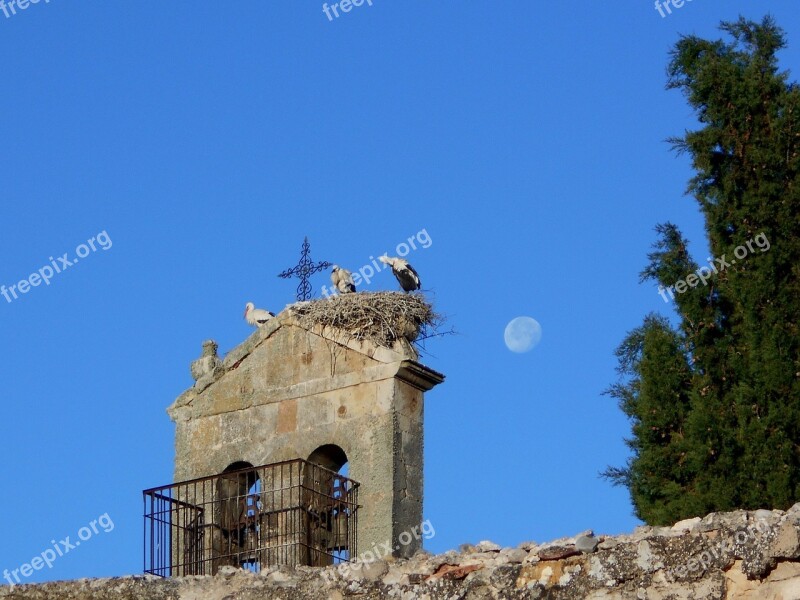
<point x="299" y="391"/>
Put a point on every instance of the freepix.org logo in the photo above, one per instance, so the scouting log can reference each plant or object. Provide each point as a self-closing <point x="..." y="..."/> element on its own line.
<point x="61" y="548"/>
<point x="332" y="11"/>
<point x="664" y="7"/>
<point x="368" y="271"/>
<point x="717" y="265"/>
<point x="9" y="7"/>
<point x="56" y="266"/>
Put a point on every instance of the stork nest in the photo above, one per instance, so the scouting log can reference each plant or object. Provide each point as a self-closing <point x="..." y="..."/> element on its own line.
<point x="379" y="317"/>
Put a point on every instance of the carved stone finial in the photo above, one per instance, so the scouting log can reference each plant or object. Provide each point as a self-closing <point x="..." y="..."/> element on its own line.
<point x="207" y="368"/>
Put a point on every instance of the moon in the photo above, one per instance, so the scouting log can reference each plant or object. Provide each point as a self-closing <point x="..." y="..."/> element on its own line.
<point x="522" y="334"/>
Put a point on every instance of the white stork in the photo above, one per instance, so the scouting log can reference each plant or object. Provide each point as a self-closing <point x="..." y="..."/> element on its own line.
<point x="256" y="316"/>
<point x="342" y="280"/>
<point x="404" y="272"/>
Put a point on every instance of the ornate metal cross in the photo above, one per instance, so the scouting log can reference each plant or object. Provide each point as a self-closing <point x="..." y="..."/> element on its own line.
<point x="303" y="270"/>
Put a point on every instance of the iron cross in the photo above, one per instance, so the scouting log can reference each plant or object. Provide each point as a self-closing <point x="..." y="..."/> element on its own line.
<point x="304" y="270"/>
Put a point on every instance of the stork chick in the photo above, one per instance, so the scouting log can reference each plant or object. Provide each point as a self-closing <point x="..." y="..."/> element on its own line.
<point x="342" y="280"/>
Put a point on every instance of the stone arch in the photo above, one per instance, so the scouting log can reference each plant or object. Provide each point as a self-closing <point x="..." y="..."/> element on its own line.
<point x="235" y="481"/>
<point x="328" y="495"/>
<point x="329" y="456"/>
<point x="235" y="487"/>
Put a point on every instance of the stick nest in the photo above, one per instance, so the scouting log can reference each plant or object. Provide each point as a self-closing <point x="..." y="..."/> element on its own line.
<point x="380" y="317"/>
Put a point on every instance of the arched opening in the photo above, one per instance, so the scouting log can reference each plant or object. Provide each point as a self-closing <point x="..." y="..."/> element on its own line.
<point x="333" y="458"/>
<point x="237" y="466"/>
<point x="330" y="456"/>
<point x="239" y="505"/>
<point x="329" y="487"/>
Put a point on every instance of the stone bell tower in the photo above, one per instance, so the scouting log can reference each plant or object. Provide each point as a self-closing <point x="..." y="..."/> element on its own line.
<point x="299" y="391"/>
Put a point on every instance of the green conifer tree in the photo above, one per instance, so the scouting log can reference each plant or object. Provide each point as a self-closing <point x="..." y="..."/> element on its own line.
<point x="715" y="401"/>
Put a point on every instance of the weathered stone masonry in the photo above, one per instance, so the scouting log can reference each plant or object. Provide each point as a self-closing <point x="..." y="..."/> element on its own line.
<point x="728" y="556"/>
<point x="287" y="391"/>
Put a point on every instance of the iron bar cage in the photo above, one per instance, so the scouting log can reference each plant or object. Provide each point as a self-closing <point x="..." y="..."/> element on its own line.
<point x="288" y="513"/>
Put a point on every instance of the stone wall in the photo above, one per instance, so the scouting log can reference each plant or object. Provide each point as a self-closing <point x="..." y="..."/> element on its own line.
<point x="737" y="555"/>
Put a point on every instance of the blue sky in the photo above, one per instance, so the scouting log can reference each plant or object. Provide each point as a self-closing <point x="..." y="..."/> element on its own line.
<point x="207" y="139"/>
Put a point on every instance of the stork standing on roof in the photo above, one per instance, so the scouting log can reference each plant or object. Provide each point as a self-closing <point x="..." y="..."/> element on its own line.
<point x="256" y="316"/>
<point x="342" y="280"/>
<point x="404" y="272"/>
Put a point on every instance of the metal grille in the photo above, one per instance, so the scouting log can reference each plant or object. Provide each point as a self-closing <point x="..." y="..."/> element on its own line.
<point x="289" y="513"/>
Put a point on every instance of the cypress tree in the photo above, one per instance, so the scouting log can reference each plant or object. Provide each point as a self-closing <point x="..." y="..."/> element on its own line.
<point x="715" y="401"/>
